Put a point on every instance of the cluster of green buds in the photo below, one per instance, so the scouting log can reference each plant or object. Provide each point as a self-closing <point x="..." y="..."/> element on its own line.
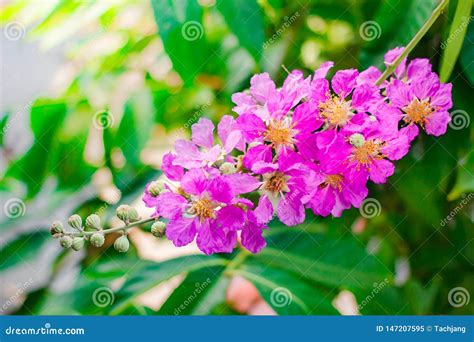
<point x="92" y="231"/>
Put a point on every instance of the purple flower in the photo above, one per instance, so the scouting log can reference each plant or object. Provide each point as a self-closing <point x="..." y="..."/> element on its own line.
<point x="284" y="185"/>
<point x="335" y="186"/>
<point x="424" y="102"/>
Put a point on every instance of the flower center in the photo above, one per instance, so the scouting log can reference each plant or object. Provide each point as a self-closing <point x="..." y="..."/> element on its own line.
<point x="368" y="151"/>
<point x="418" y="111"/>
<point x="275" y="182"/>
<point x="335" y="111"/>
<point x="280" y="133"/>
<point x="334" y="181"/>
<point x="204" y="209"/>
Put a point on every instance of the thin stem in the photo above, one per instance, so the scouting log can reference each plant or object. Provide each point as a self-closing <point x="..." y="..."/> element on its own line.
<point x="415" y="40"/>
<point x="116" y="229"/>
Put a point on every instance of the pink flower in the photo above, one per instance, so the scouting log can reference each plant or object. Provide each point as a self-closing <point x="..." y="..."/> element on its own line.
<point x="284" y="185"/>
<point x="424" y="102"/>
<point x="335" y="186"/>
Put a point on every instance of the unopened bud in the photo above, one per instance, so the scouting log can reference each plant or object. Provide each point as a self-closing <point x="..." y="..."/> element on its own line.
<point x="97" y="240"/>
<point x="158" y="229"/>
<point x="65" y="242"/>
<point x="357" y="140"/>
<point x="122" y="244"/>
<point x="155" y="188"/>
<point x="228" y="168"/>
<point x="56" y="228"/>
<point x="93" y="221"/>
<point x="75" y="222"/>
<point x="78" y="243"/>
<point x="133" y="215"/>
<point x="123" y="212"/>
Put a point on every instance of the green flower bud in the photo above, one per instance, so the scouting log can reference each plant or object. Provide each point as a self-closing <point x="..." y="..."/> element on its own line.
<point x="158" y="229"/>
<point x="93" y="221"/>
<point x="122" y="244"/>
<point x="56" y="228"/>
<point x="228" y="168"/>
<point x="357" y="140"/>
<point x="156" y="188"/>
<point x="78" y="243"/>
<point x="97" y="240"/>
<point x="133" y="215"/>
<point x="123" y="212"/>
<point x="66" y="242"/>
<point x="75" y="222"/>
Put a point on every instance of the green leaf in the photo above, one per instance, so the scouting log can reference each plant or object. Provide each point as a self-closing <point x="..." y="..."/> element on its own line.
<point x="454" y="41"/>
<point x="397" y="21"/>
<point x="467" y="54"/>
<point x="149" y="274"/>
<point x="286" y="293"/>
<point x="45" y="119"/>
<point x="464" y="179"/>
<point x="24" y="248"/>
<point x="323" y="260"/>
<point x="181" y="30"/>
<point x="199" y="293"/>
<point x="245" y="19"/>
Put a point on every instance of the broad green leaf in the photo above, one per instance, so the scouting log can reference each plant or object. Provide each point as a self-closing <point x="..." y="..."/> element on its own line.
<point x="24" y="248"/>
<point x="464" y="179"/>
<point x="245" y="19"/>
<point x="453" y="44"/>
<point x="285" y="292"/>
<point x="199" y="293"/>
<point x="181" y="30"/>
<point x="395" y="24"/>
<point x="45" y="119"/>
<point x="467" y="53"/>
<point x="335" y="262"/>
<point x="148" y="274"/>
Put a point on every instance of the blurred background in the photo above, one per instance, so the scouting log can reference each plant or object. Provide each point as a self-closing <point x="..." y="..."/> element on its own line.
<point x="93" y="93"/>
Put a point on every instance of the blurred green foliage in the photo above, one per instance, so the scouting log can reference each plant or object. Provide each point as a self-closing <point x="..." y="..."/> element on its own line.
<point x="140" y="73"/>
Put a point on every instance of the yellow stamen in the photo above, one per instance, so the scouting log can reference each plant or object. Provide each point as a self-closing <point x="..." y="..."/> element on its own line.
<point x="418" y="111"/>
<point x="335" y="111"/>
<point x="280" y="133"/>
<point x="369" y="151"/>
<point x="204" y="209"/>
<point x="334" y="181"/>
<point x="275" y="182"/>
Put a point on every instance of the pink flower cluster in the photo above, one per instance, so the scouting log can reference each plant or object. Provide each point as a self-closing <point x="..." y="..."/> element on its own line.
<point x="311" y="144"/>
